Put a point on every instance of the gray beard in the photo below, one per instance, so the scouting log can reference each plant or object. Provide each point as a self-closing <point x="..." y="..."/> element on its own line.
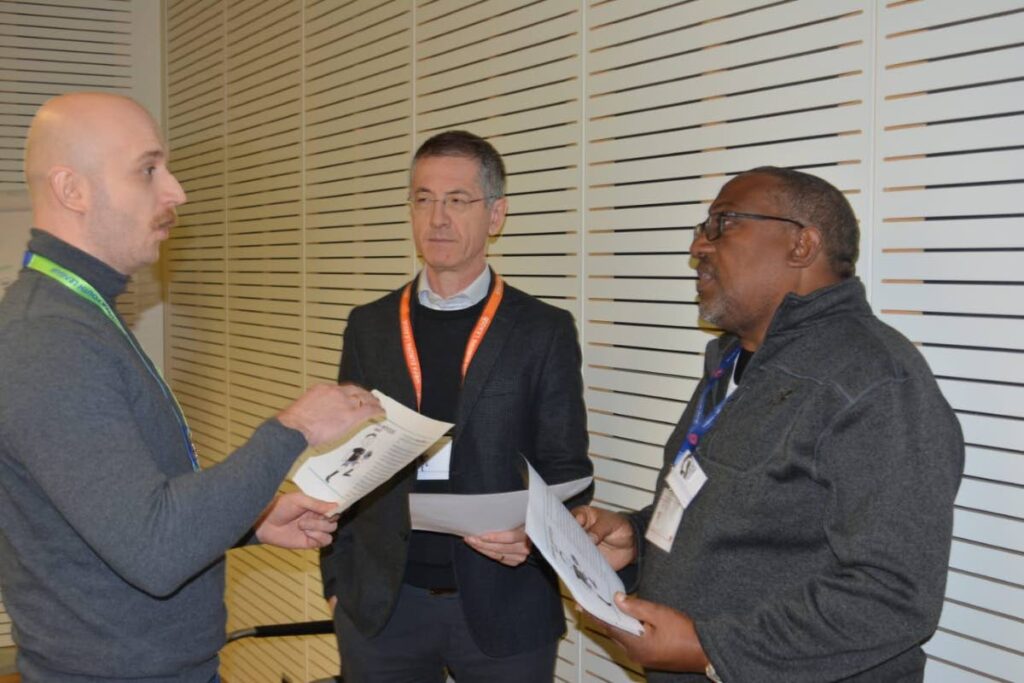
<point x="710" y="313"/>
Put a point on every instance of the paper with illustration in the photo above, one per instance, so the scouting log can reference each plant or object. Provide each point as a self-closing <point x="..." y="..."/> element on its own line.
<point x="349" y="471"/>
<point x="574" y="557"/>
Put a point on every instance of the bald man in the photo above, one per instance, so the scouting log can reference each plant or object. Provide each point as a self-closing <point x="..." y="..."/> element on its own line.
<point x="111" y="540"/>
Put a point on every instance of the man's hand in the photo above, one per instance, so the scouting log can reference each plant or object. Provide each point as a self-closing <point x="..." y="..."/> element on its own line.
<point x="295" y="520"/>
<point x="669" y="641"/>
<point x="511" y="547"/>
<point x="611" y="532"/>
<point x="325" y="412"/>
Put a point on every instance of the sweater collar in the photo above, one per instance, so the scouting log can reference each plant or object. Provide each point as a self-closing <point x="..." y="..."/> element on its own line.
<point x="107" y="281"/>
<point x="845" y="298"/>
<point x="798" y="313"/>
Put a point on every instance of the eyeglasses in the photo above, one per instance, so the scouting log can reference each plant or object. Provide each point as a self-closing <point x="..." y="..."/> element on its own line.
<point x="454" y="203"/>
<point x="714" y="225"/>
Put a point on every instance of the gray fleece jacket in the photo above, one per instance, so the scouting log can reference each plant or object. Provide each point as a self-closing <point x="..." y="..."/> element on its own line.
<point x="111" y="547"/>
<point x="818" y="548"/>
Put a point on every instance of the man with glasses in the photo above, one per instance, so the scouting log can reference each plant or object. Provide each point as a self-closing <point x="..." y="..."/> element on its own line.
<point x="460" y="345"/>
<point x="801" y="530"/>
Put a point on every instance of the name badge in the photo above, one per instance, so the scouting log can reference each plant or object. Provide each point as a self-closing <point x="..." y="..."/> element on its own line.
<point x="661" y="531"/>
<point x="437" y="461"/>
<point x="684" y="481"/>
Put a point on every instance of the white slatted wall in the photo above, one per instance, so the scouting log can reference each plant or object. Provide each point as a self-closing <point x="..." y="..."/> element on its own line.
<point x="49" y="47"/>
<point x="948" y="225"/>
<point x="292" y="123"/>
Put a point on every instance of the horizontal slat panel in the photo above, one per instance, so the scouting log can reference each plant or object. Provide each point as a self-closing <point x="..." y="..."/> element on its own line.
<point x="995" y="531"/>
<point x="692" y="340"/>
<point x="994" y="497"/>
<point x="970" y="266"/>
<point x="1005" y="332"/>
<point x="981" y="100"/>
<point x="968" y="135"/>
<point x="956" y="39"/>
<point x="1001" y="565"/>
<point x="975" y="655"/>
<point x="938" y="671"/>
<point x="995" y="65"/>
<point x="914" y="295"/>
<point x="999" y="232"/>
<point x="913" y="17"/>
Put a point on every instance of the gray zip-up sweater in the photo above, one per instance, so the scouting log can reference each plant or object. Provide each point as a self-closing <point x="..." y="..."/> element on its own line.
<point x="818" y="548"/>
<point x="111" y="547"/>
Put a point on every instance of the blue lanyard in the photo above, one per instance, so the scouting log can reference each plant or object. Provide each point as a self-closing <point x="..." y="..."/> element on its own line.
<point x="701" y="424"/>
<point x="82" y="288"/>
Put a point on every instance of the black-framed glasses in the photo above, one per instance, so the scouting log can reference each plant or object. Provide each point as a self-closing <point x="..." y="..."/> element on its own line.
<point x="455" y="203"/>
<point x="714" y="225"/>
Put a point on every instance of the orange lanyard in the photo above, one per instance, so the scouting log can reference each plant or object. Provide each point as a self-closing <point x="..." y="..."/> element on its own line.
<point x="412" y="359"/>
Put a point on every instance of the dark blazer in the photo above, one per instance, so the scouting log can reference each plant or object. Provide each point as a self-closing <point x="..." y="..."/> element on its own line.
<point x="523" y="393"/>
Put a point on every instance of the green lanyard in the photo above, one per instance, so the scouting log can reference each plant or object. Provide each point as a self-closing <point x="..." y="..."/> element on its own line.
<point x="43" y="265"/>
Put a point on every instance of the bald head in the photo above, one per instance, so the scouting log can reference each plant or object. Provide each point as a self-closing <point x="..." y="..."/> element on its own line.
<point x="95" y="164"/>
<point x="74" y="130"/>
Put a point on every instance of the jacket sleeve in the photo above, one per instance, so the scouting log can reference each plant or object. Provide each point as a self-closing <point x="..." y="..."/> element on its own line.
<point x="68" y="418"/>
<point x="350" y="370"/>
<point x="561" y="440"/>
<point x="891" y="461"/>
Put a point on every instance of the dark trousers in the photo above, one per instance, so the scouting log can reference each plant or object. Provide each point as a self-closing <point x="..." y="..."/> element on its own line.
<point x="426" y="635"/>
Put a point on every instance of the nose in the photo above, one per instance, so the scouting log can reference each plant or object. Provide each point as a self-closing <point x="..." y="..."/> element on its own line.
<point x="175" y="192"/>
<point x="438" y="213"/>
<point x="700" y="245"/>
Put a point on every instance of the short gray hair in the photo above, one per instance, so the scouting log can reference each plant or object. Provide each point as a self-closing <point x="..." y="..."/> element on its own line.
<point x="461" y="143"/>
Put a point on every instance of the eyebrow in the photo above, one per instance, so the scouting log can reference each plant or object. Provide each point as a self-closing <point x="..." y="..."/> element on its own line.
<point x="151" y="155"/>
<point x="423" y="190"/>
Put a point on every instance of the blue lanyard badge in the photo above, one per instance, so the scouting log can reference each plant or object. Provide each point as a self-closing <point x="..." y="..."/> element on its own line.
<point x="701" y="423"/>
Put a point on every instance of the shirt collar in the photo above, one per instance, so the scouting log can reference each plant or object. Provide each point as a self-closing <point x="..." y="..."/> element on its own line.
<point x="469" y="296"/>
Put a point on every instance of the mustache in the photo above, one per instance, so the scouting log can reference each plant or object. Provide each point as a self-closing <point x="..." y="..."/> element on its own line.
<point x="168" y="219"/>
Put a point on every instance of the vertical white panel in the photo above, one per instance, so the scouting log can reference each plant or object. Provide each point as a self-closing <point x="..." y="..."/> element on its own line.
<point x="358" y="101"/>
<point x="948" y="219"/>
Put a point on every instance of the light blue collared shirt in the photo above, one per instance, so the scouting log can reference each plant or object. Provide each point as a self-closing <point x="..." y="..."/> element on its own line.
<point x="470" y="296"/>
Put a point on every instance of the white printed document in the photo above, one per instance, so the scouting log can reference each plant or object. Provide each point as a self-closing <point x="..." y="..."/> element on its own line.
<point x="363" y="462"/>
<point x="475" y="514"/>
<point x="578" y="562"/>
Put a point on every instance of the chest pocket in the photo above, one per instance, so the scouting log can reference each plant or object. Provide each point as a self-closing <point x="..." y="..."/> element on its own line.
<point x="762" y="422"/>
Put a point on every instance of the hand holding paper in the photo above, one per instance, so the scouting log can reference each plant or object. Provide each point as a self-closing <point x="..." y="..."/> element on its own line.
<point x="511" y="548"/>
<point x="669" y="639"/>
<point x="371" y="457"/>
<point x="611" y="532"/>
<point x="575" y="558"/>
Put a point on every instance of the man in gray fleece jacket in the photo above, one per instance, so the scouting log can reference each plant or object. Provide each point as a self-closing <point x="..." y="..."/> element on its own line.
<point x="802" y="528"/>
<point x="111" y="539"/>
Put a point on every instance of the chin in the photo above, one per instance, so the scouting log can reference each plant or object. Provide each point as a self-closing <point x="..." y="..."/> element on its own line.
<point x="709" y="315"/>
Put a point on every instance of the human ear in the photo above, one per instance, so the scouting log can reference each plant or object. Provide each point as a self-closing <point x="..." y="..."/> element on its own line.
<point x="497" y="221"/>
<point x="807" y="247"/>
<point x="69" y="189"/>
